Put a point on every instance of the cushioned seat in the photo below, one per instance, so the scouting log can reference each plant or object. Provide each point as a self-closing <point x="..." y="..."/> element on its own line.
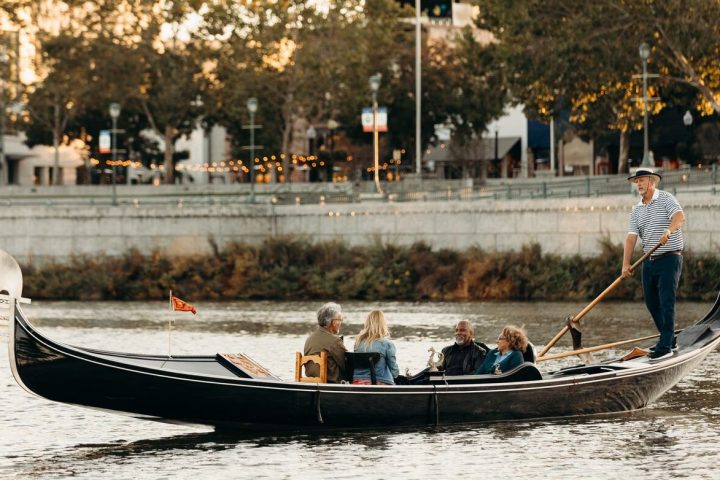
<point x="529" y="353"/>
<point x="361" y="360"/>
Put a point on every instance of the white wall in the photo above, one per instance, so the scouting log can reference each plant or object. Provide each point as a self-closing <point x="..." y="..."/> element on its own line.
<point x="561" y="226"/>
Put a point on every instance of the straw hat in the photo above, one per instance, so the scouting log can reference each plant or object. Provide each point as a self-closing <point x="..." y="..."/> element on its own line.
<point x="645" y="172"/>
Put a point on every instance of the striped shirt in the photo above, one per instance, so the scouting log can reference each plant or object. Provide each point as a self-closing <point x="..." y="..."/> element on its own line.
<point x="650" y="221"/>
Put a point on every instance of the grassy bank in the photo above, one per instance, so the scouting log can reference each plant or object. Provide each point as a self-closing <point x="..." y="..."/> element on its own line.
<point x="295" y="269"/>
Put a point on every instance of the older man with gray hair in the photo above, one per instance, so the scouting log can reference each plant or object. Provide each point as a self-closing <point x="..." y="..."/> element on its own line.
<point x="326" y="338"/>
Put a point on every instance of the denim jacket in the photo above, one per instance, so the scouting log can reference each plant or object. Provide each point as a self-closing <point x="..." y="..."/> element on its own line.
<point x="386" y="368"/>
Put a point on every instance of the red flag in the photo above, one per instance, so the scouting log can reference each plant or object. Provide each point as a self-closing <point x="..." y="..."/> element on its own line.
<point x="181" y="305"/>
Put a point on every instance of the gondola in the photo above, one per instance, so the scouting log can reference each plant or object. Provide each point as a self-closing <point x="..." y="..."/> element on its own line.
<point x="214" y="390"/>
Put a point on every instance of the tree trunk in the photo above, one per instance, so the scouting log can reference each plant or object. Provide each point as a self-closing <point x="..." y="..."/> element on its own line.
<point x="623" y="151"/>
<point x="168" y="157"/>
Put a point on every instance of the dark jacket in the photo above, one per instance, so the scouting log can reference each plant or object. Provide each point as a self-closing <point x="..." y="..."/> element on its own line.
<point x="321" y="340"/>
<point x="473" y="356"/>
<point x="506" y="364"/>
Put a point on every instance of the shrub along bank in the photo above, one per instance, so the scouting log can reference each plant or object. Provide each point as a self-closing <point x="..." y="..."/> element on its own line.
<point x="296" y="269"/>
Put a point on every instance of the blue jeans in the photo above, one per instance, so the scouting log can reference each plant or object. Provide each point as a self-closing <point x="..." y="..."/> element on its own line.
<point x="660" y="279"/>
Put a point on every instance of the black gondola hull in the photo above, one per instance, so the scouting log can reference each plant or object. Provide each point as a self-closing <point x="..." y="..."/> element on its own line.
<point x="199" y="390"/>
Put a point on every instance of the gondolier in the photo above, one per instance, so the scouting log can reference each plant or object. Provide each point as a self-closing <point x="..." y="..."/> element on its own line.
<point x="657" y="218"/>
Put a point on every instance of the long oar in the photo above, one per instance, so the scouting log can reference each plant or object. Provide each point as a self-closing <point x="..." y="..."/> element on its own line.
<point x="585" y="310"/>
<point x="555" y="356"/>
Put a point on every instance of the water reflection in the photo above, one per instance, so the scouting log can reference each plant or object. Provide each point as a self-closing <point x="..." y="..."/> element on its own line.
<point x="596" y="447"/>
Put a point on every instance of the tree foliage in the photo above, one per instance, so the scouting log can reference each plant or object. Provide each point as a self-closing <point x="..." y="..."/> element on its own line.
<point x="581" y="56"/>
<point x="300" y="59"/>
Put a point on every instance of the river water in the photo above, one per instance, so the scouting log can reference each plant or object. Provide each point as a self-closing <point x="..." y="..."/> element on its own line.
<point x="677" y="436"/>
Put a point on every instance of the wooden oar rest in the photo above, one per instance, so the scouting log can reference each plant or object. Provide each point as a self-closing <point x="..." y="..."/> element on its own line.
<point x="361" y="360"/>
<point x="301" y="360"/>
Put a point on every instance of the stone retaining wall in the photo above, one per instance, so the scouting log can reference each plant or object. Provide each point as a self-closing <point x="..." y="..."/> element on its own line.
<point x="562" y="226"/>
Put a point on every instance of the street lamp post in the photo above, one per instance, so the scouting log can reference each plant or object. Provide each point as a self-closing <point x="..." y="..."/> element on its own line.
<point x="252" y="106"/>
<point x="497" y="156"/>
<point x="687" y="121"/>
<point x="374" y="86"/>
<point x="644" y="55"/>
<point x="418" y="93"/>
<point x="114" y="114"/>
<point x="331" y="125"/>
<point x="311" y="135"/>
<point x="3" y="161"/>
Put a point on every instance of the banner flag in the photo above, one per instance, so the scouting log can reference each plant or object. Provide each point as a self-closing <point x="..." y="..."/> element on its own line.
<point x="181" y="305"/>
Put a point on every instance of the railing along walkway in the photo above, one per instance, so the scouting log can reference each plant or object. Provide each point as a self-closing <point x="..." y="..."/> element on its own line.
<point x="696" y="180"/>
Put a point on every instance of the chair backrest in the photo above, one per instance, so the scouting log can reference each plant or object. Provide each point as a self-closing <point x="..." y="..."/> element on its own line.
<point x="301" y="360"/>
<point x="355" y="360"/>
<point x="529" y="353"/>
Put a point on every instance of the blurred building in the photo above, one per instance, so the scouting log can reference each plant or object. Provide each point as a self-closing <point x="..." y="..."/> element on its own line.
<point x="34" y="166"/>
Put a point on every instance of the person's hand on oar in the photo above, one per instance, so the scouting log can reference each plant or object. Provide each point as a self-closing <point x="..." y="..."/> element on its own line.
<point x="665" y="236"/>
<point x="627" y="271"/>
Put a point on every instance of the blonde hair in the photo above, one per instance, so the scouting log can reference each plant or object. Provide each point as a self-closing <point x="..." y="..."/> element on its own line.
<point x="516" y="337"/>
<point x="375" y="328"/>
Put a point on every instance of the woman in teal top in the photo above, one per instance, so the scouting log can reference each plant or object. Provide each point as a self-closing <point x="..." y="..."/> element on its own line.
<point x="374" y="337"/>
<point x="511" y="344"/>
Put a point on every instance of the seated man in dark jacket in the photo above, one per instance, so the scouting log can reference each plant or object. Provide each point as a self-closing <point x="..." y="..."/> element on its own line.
<point x="465" y="356"/>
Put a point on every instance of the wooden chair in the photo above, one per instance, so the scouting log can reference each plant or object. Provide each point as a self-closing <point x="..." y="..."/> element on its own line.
<point x="355" y="361"/>
<point x="301" y="360"/>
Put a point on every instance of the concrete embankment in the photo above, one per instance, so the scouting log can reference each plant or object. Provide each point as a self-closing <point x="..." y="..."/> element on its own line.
<point x="564" y="226"/>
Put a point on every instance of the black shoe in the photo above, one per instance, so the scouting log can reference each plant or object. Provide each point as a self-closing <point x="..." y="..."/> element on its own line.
<point x="659" y="354"/>
<point x="674" y="347"/>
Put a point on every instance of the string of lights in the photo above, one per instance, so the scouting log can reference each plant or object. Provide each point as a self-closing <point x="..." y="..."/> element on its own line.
<point x="271" y="162"/>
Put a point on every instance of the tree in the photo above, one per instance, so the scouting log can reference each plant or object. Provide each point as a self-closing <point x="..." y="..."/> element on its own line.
<point x="166" y="92"/>
<point x="300" y="61"/>
<point x="581" y="56"/>
<point x="64" y="92"/>
<point x="472" y="85"/>
<point x="112" y="50"/>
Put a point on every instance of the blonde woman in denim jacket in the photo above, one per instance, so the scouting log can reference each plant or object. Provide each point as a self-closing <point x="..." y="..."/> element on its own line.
<point x="375" y="337"/>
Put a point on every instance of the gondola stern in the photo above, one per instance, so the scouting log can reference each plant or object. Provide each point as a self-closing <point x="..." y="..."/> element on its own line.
<point x="713" y="315"/>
